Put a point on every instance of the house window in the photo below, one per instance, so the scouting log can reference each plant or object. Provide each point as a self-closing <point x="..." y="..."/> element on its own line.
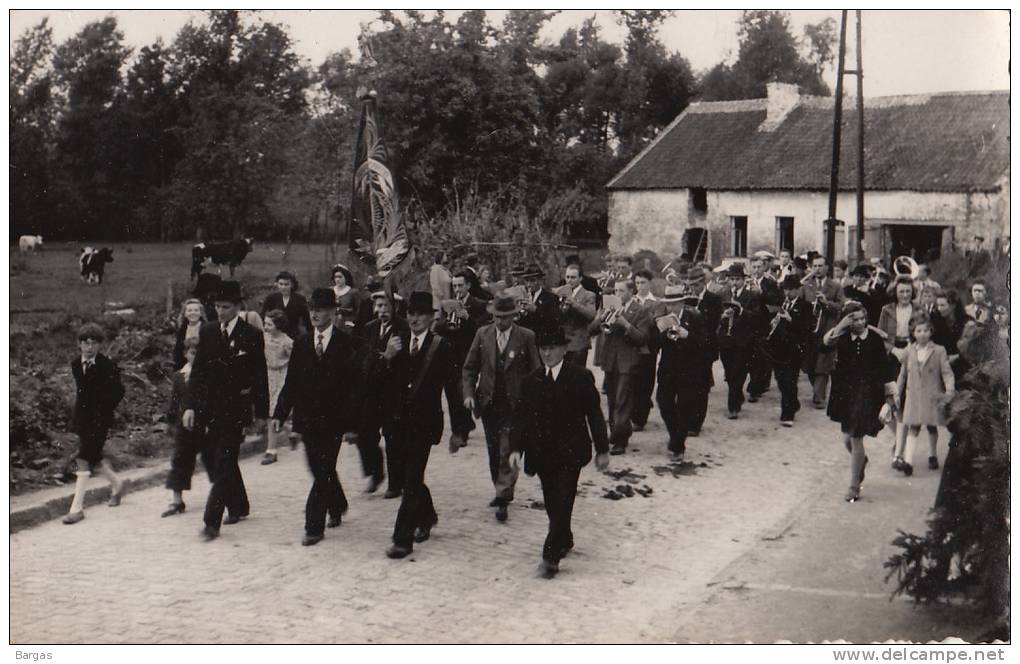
<point x="784" y="233"/>
<point x="699" y="199"/>
<point x="738" y="226"/>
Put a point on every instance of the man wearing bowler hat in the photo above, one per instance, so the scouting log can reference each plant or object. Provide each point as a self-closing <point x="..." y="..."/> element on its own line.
<point x="788" y="333"/>
<point x="501" y="355"/>
<point x="559" y="418"/>
<point x="412" y="406"/>
<point x="737" y="332"/>
<point x="542" y="310"/>
<point x="325" y="389"/>
<point x="228" y="380"/>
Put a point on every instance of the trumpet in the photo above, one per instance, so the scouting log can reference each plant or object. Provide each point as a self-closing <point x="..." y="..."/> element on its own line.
<point x="565" y="303"/>
<point x="673" y="332"/>
<point x="453" y="320"/>
<point x="608" y="318"/>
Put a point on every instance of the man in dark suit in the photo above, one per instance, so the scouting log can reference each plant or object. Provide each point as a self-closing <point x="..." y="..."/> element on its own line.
<point x="459" y="327"/>
<point x="578" y="307"/>
<point x="418" y="373"/>
<point x="771" y="297"/>
<point x="501" y="355"/>
<point x="624" y="335"/>
<point x="710" y="307"/>
<point x="324" y="388"/>
<point x="290" y="302"/>
<point x="542" y="311"/>
<point x="228" y="381"/>
<point x="377" y="333"/>
<point x="737" y="333"/>
<point x="682" y="375"/>
<point x="826" y="299"/>
<point x="788" y="333"/>
<point x="558" y="420"/>
<point x="858" y="290"/>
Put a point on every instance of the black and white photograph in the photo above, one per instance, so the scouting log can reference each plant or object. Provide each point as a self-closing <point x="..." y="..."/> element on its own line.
<point x="510" y="327"/>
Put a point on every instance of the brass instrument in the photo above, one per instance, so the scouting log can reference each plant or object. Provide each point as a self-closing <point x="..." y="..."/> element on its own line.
<point x="673" y="333"/>
<point x="565" y="303"/>
<point x="819" y="311"/>
<point x="609" y="317"/>
<point x="453" y="320"/>
<point x="906" y="266"/>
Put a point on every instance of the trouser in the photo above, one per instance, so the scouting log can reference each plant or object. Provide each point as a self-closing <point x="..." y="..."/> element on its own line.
<point x="187" y="446"/>
<point x="228" y="491"/>
<point x="496" y="423"/>
<point x="677" y="407"/>
<point x="461" y="422"/>
<point x="736" y="364"/>
<point x="371" y="456"/>
<point x="619" y="389"/>
<point x="578" y="357"/>
<point x="644" y="383"/>
<point x="761" y="370"/>
<point x="786" y="378"/>
<point x="559" y="488"/>
<point x="394" y="459"/>
<point x="819" y="387"/>
<point x="700" y="401"/>
<point x="327" y="494"/>
<point x="416" y="507"/>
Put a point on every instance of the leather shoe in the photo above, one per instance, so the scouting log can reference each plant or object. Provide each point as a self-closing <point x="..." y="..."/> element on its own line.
<point x="495" y="502"/>
<point x="752" y="398"/>
<point x="334" y="522"/>
<point x="392" y="493"/>
<point x="116" y="496"/>
<point x="374" y="484"/>
<point x="502" y="514"/>
<point x="398" y="552"/>
<point x="617" y="450"/>
<point x="786" y="423"/>
<point x="268" y="458"/>
<point x="74" y="517"/>
<point x="234" y="518"/>
<point x="175" y="508"/>
<point x="422" y="533"/>
<point x="208" y="534"/>
<point x="933" y="463"/>
<point x="694" y="434"/>
<point x="311" y="540"/>
<point x="731" y="415"/>
<point x="638" y="427"/>
<point x="548" y="569"/>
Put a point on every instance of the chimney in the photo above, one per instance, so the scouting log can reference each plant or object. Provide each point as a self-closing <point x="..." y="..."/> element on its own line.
<point x="782" y="98"/>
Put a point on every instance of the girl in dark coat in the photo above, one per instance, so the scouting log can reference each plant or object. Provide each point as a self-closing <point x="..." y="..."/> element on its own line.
<point x="861" y="383"/>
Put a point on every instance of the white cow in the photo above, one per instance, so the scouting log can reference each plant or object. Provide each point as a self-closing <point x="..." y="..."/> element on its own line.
<point x="29" y="243"/>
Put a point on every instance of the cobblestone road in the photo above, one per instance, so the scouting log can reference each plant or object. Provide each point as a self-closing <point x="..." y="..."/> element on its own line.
<point x="640" y="563"/>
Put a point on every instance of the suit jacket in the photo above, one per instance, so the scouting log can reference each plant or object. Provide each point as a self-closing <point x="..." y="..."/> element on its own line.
<point x="296" y="311"/>
<point x="622" y="348"/>
<point x="557" y="423"/>
<point x="96" y="394"/>
<point x="771" y="295"/>
<point x="377" y="384"/>
<point x="413" y="388"/>
<point x="546" y="315"/>
<point x="835" y="297"/>
<point x="577" y="318"/>
<point x="228" y="379"/>
<point x="460" y="336"/>
<point x="479" y="374"/>
<point x="683" y="360"/>
<point x="746" y="325"/>
<point x="787" y="344"/>
<point x="326" y="394"/>
<point x="887" y="322"/>
<point x="710" y="307"/>
<point x="872" y="304"/>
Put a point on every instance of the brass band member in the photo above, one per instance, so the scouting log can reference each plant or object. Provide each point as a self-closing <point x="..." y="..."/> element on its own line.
<point x="682" y="375"/>
<point x="709" y="306"/>
<point x="826" y="299"/>
<point x="788" y="334"/>
<point x="577" y="307"/>
<point x="736" y="334"/>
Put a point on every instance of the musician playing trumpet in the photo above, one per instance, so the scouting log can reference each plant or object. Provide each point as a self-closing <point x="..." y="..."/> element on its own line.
<point x="577" y="308"/>
<point x="541" y="309"/>
<point x="738" y="329"/>
<point x="682" y="379"/>
<point x="789" y="332"/>
<point x="826" y="298"/>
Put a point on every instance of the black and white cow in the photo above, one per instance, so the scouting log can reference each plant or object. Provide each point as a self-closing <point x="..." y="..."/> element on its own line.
<point x="230" y="253"/>
<point x="93" y="263"/>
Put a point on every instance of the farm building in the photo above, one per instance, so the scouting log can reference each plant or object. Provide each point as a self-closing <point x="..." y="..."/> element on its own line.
<point x="725" y="179"/>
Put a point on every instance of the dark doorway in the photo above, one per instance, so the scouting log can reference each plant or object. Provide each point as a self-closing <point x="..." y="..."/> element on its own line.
<point x="922" y="243"/>
<point x="696" y="244"/>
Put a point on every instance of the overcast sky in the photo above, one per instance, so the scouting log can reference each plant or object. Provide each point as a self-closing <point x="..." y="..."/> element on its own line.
<point x="904" y="52"/>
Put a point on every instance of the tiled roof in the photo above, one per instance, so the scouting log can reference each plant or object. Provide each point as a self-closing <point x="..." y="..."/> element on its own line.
<point x="947" y="142"/>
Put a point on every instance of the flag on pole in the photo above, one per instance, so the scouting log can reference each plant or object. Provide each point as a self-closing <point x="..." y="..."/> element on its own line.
<point x="377" y="234"/>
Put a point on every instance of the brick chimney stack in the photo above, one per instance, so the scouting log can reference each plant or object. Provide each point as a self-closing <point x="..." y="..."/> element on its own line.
<point x="782" y="98"/>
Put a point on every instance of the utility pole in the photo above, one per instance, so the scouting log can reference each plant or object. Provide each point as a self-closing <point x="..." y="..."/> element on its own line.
<point x="860" y="146"/>
<point x="837" y="122"/>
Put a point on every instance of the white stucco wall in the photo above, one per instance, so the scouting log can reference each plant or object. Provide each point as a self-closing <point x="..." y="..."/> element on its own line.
<point x="656" y="220"/>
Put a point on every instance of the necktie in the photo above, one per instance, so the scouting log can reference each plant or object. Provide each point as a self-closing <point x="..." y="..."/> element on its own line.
<point x="318" y="346"/>
<point x="501" y="341"/>
<point x="549" y="376"/>
<point x="226" y="335"/>
<point x="87" y="366"/>
<point x="414" y="346"/>
<point x="384" y="329"/>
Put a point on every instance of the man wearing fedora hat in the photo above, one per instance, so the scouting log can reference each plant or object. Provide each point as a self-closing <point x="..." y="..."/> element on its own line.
<point x="228" y="381"/>
<point x="378" y="334"/>
<point x="542" y="310"/>
<point x="324" y="388"/>
<point x="710" y="307"/>
<point x="557" y="422"/>
<point x="413" y="409"/>
<point x="501" y="355"/>
<point x="786" y="337"/>
<point x="737" y="333"/>
<point x="681" y="377"/>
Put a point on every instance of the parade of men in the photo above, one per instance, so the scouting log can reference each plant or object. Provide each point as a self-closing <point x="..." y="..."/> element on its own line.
<point x="510" y="326"/>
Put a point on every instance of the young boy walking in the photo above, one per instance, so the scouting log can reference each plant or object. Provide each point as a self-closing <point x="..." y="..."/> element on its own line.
<point x="98" y="391"/>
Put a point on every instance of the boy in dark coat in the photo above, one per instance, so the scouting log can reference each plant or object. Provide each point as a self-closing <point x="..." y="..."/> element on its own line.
<point x="558" y="420"/>
<point x="98" y="391"/>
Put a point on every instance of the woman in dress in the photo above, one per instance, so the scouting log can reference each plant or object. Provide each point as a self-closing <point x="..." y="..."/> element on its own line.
<point x="861" y="384"/>
<point x="347" y="296"/>
<point x="190" y="319"/>
<point x="278" y="347"/>
<point x="926" y="376"/>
